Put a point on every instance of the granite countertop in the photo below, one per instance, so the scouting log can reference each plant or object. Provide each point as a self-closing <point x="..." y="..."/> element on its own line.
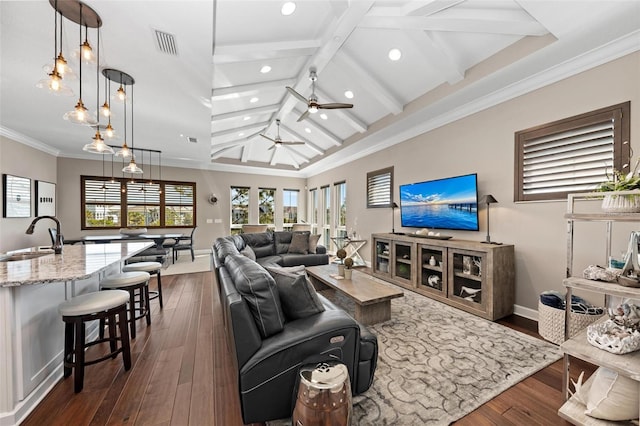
<point x="75" y="263"/>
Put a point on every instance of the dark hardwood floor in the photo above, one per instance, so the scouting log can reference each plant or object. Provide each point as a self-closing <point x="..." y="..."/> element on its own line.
<point x="182" y="374"/>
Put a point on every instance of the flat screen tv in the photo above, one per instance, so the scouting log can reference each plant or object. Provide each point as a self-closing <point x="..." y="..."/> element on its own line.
<point x="450" y="203"/>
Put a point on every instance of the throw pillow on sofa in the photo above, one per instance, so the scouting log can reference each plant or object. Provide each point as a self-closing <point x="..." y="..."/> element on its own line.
<point x="313" y="243"/>
<point x="297" y="295"/>
<point x="248" y="251"/>
<point x="260" y="292"/>
<point x="299" y="244"/>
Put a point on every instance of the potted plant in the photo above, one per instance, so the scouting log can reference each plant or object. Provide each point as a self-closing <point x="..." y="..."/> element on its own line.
<point x="616" y="182"/>
<point x="341" y="253"/>
<point x="348" y="264"/>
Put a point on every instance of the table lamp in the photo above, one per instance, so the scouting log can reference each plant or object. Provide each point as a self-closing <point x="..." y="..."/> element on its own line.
<point x="488" y="199"/>
<point x="394" y="206"/>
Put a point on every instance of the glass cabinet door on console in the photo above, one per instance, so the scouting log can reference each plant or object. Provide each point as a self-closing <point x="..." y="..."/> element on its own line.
<point x="402" y="261"/>
<point x="466" y="278"/>
<point x="381" y="256"/>
<point x="433" y="267"/>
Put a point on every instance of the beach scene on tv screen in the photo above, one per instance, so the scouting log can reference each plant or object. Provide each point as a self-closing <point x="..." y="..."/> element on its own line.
<point x="450" y="203"/>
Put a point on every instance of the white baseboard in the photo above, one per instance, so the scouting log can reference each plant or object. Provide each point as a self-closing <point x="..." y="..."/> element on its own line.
<point x="529" y="313"/>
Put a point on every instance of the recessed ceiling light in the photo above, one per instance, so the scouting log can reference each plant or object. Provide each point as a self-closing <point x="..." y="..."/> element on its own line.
<point x="323" y="116"/>
<point x="348" y="94"/>
<point x="288" y="8"/>
<point x="265" y="69"/>
<point x="254" y="100"/>
<point x="247" y="118"/>
<point x="395" y="54"/>
<point x="308" y="130"/>
<point x="240" y="134"/>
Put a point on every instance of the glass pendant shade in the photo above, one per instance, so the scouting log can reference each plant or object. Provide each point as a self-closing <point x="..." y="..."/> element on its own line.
<point x="109" y="132"/>
<point x="80" y="115"/>
<point x="98" y="146"/>
<point x="54" y="84"/>
<point x="124" y="152"/>
<point x="121" y="95"/>
<point x="132" y="168"/>
<point x="105" y="110"/>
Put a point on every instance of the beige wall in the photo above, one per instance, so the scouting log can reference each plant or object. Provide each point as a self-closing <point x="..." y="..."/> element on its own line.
<point x="207" y="182"/>
<point x="20" y="160"/>
<point x="484" y="144"/>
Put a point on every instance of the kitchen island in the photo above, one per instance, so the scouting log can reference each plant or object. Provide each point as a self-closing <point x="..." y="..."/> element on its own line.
<point x="31" y="330"/>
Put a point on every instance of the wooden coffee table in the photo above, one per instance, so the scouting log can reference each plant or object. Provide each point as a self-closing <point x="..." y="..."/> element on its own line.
<point x="372" y="299"/>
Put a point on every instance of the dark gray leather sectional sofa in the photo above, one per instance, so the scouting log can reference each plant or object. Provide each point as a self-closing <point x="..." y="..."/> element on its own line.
<point x="267" y="366"/>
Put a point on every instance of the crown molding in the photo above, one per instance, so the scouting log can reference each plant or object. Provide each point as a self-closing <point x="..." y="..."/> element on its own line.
<point x="26" y="140"/>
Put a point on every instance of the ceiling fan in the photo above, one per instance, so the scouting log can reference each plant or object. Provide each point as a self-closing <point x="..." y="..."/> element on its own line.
<point x="277" y="142"/>
<point x="312" y="103"/>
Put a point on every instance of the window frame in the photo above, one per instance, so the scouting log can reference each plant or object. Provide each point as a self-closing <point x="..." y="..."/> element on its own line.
<point x="123" y="182"/>
<point x="236" y="228"/>
<point x="287" y="207"/>
<point x="272" y="193"/>
<point x="619" y="113"/>
<point x="380" y="186"/>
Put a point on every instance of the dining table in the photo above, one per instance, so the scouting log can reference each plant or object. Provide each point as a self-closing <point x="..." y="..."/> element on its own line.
<point x="158" y="239"/>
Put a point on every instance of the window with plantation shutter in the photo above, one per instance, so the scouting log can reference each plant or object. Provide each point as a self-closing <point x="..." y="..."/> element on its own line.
<point x="380" y="188"/>
<point x="119" y="202"/>
<point x="571" y="155"/>
<point x="179" y="204"/>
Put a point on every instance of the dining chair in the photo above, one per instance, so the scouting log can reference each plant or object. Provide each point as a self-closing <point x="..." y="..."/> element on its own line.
<point x="184" y="243"/>
<point x="247" y="229"/>
<point x="301" y="227"/>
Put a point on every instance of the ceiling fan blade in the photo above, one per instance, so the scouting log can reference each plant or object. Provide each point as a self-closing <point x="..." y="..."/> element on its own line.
<point x="297" y="95"/>
<point x="303" y="116"/>
<point x="267" y="137"/>
<point x="271" y="147"/>
<point x="292" y="143"/>
<point x="334" y="106"/>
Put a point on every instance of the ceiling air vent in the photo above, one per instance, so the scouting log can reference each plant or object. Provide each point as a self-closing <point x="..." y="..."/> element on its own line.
<point x="166" y="43"/>
<point x="192" y="139"/>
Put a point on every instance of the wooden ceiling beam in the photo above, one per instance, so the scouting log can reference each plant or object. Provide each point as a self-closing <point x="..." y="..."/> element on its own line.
<point x="437" y="56"/>
<point x="267" y="109"/>
<point x="345" y="60"/>
<point x="299" y="137"/>
<point x="249" y="127"/>
<point x="260" y="51"/>
<point x="466" y="25"/>
<point x="233" y="92"/>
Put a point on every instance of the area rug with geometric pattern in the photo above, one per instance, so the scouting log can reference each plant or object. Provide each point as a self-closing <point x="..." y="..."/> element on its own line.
<point x="437" y="363"/>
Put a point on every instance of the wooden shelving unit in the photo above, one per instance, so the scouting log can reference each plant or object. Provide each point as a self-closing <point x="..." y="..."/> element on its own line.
<point x="483" y="286"/>
<point x="578" y="346"/>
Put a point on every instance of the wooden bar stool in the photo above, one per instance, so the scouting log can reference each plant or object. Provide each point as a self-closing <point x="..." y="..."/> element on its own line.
<point x="89" y="307"/>
<point x="153" y="268"/>
<point x="137" y="284"/>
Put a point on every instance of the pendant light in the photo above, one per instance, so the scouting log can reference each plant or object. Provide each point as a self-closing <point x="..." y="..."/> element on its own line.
<point x="53" y="82"/>
<point x="132" y="167"/>
<point x="98" y="146"/>
<point x="79" y="114"/>
<point x="124" y="80"/>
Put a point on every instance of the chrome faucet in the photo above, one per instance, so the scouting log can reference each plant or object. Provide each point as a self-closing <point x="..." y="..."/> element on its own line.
<point x="57" y="245"/>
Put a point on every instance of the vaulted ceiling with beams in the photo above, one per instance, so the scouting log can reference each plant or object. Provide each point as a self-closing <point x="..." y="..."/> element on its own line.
<point x="449" y="55"/>
<point x="215" y="101"/>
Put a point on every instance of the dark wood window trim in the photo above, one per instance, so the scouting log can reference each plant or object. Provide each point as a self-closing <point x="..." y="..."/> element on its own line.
<point x="616" y="116"/>
<point x="380" y="188"/>
<point x="123" y="202"/>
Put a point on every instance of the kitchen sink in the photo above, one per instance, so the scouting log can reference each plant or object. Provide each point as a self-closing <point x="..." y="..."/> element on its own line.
<point x="23" y="256"/>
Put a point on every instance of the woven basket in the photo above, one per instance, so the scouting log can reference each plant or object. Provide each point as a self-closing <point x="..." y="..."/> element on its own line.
<point x="551" y="323"/>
